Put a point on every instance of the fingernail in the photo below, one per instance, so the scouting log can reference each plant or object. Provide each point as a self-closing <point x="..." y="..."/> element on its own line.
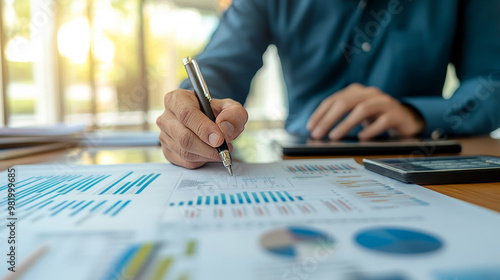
<point x="213" y="139"/>
<point x="227" y="128"/>
<point x="334" y="135"/>
<point x="317" y="133"/>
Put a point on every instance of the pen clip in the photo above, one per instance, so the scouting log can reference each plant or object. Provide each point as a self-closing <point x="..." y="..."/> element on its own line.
<point x="196" y="68"/>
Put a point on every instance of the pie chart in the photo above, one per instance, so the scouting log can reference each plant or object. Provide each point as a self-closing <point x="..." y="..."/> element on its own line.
<point x="398" y="241"/>
<point x="296" y="242"/>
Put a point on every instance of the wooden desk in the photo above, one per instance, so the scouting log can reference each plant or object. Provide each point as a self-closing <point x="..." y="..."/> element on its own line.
<point x="248" y="149"/>
<point x="485" y="194"/>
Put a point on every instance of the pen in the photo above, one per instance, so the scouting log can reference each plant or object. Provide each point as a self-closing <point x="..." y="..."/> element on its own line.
<point x="27" y="263"/>
<point x="201" y="90"/>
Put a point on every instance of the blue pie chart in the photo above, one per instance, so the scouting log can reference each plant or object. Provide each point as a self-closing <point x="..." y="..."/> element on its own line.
<point x="398" y="241"/>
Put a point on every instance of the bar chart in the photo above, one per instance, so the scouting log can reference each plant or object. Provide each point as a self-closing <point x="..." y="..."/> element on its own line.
<point x="78" y="196"/>
<point x="341" y="195"/>
<point x="74" y="207"/>
<point x="242" y="198"/>
<point x="132" y="186"/>
<point x="35" y="189"/>
<point x="76" y="211"/>
<point x="256" y="204"/>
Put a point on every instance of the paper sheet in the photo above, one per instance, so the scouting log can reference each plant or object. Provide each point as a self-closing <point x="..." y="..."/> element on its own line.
<point x="301" y="219"/>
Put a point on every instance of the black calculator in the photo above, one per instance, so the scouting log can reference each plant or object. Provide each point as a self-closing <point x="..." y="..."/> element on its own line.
<point x="438" y="170"/>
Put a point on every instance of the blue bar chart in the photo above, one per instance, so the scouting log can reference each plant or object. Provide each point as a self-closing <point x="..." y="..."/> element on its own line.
<point x="74" y="207"/>
<point x="132" y="186"/>
<point x="343" y="194"/>
<point x="257" y="204"/>
<point x="78" y="195"/>
<point x="240" y="198"/>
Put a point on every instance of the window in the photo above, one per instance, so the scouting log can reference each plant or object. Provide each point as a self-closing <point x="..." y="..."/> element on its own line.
<point x="108" y="63"/>
<point x="104" y="63"/>
<point x="19" y="61"/>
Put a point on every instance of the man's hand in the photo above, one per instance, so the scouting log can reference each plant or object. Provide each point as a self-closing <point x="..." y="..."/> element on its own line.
<point x="188" y="137"/>
<point x="369" y="106"/>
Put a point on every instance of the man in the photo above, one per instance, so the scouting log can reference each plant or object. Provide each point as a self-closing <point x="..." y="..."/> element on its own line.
<point x="351" y="68"/>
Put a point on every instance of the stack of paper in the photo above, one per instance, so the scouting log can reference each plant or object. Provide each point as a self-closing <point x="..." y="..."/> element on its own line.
<point x="17" y="142"/>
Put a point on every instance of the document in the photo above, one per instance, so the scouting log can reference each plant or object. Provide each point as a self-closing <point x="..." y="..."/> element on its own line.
<point x="295" y="219"/>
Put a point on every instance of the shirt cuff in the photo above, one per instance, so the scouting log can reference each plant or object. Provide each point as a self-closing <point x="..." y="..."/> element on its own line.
<point x="433" y="111"/>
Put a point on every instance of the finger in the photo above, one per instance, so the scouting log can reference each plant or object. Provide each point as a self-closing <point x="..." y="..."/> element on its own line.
<point x="181" y="154"/>
<point x="339" y="109"/>
<point x="318" y="114"/>
<point x="361" y="113"/>
<point x="187" y="141"/>
<point x="165" y="121"/>
<point x="380" y="125"/>
<point x="176" y="159"/>
<point x="231" y="117"/>
<point x="185" y="107"/>
<point x="326" y="105"/>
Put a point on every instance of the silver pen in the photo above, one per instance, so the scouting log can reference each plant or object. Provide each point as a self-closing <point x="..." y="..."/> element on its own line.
<point x="201" y="90"/>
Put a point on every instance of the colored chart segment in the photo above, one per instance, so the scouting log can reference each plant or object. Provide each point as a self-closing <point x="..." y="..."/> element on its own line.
<point x="133" y="261"/>
<point x="152" y="260"/>
<point x="398" y="241"/>
<point x="296" y="242"/>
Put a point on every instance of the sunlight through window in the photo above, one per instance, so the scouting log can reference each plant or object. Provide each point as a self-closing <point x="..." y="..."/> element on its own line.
<point x="73" y="40"/>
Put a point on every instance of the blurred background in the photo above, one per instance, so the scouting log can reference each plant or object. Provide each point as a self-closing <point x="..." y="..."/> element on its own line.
<point x="107" y="64"/>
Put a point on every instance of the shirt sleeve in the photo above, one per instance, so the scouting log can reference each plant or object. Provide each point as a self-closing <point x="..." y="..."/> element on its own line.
<point x="234" y="53"/>
<point x="474" y="108"/>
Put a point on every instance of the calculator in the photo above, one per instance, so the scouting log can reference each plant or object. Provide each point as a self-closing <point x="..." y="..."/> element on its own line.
<point x="438" y="170"/>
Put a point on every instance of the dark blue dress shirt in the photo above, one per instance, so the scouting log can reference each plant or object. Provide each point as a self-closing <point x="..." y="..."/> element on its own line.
<point x="402" y="47"/>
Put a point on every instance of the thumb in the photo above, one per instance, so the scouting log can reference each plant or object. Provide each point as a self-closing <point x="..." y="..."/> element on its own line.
<point x="231" y="117"/>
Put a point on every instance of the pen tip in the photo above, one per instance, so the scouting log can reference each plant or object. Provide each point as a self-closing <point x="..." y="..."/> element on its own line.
<point x="230" y="170"/>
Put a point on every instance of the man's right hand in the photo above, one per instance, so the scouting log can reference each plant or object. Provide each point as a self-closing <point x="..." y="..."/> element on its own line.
<point x="188" y="137"/>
